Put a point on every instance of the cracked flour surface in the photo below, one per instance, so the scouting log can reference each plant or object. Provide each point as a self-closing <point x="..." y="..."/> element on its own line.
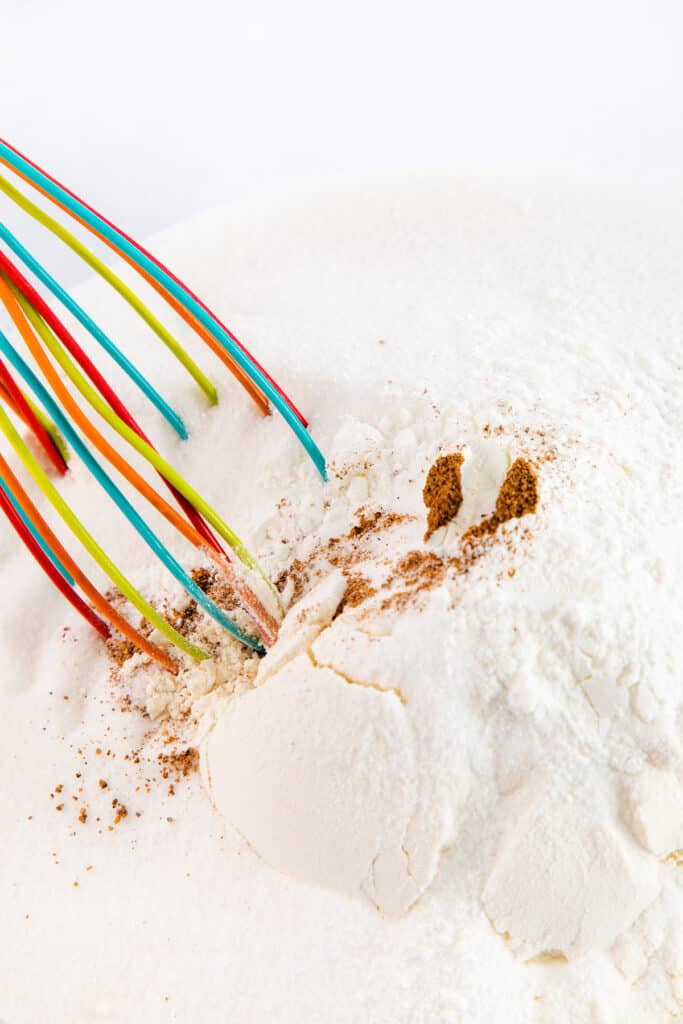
<point x="369" y="730"/>
<point x="321" y="771"/>
<point x="452" y="793"/>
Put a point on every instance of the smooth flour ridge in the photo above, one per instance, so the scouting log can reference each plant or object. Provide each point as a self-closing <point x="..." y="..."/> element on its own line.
<point x="452" y="791"/>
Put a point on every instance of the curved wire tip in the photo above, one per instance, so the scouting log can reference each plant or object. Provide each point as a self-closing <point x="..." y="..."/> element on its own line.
<point x="50" y="420"/>
<point x="176" y="293"/>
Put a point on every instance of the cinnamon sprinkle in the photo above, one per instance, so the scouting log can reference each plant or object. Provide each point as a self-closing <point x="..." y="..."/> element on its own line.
<point x="418" y="571"/>
<point x="442" y="493"/>
<point x="358" y="589"/>
<point x="340" y="552"/>
<point x="373" y="522"/>
<point x="121" y="811"/>
<point x="120" y="649"/>
<point x="517" y="497"/>
<point x="421" y="571"/>
<point x="182" y="762"/>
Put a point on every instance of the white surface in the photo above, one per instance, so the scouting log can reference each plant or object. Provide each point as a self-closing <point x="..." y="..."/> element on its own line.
<point x="154" y="110"/>
<point x="321" y="772"/>
<point x="556" y="309"/>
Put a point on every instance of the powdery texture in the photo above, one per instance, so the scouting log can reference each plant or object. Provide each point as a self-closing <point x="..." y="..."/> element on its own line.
<point x="486" y="735"/>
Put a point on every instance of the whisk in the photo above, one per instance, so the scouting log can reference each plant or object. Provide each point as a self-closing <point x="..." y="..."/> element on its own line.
<point x="60" y="425"/>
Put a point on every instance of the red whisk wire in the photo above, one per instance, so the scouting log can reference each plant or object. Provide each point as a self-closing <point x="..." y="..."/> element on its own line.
<point x="70" y="343"/>
<point x="149" y="256"/>
<point x="50" y="570"/>
<point x="31" y="420"/>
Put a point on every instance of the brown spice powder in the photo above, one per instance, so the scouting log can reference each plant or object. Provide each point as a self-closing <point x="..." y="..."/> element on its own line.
<point x="418" y="568"/>
<point x="216" y="586"/>
<point x="182" y="762"/>
<point x="420" y="571"/>
<point x="517" y="497"/>
<point x="297" y="572"/>
<point x="358" y="589"/>
<point x="120" y="649"/>
<point x="442" y="493"/>
<point x="373" y="522"/>
<point x="340" y="552"/>
<point x="518" y="494"/>
<point x="416" y="572"/>
<point x="121" y="811"/>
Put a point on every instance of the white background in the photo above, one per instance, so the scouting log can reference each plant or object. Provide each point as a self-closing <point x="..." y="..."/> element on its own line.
<point x="156" y="110"/>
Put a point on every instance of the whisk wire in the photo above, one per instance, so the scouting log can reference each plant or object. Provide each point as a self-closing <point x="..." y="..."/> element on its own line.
<point x="28" y="416"/>
<point x="16" y="283"/>
<point x="38" y="538"/>
<point x="169" y="414"/>
<point x="129" y="430"/>
<point x="100" y="603"/>
<point x="90" y="544"/>
<point x="18" y="162"/>
<point x="51" y="567"/>
<point x="198" y="533"/>
<point x="172" y="285"/>
<point x="44" y="421"/>
<point x="120" y="500"/>
<point x="115" y="282"/>
<point x="48" y="340"/>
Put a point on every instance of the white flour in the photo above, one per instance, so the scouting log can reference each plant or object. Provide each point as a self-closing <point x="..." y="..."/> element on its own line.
<point x="495" y="760"/>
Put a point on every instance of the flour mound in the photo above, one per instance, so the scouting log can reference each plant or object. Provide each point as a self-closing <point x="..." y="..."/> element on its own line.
<point x="350" y="763"/>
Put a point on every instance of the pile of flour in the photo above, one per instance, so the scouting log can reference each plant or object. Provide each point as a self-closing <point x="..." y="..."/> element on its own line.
<point x="526" y="690"/>
<point x="457" y="777"/>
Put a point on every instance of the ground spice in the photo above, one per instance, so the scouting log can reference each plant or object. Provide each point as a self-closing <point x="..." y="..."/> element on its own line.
<point x="442" y="493"/>
<point x="416" y="572"/>
<point x="420" y="568"/>
<point x="420" y="571"/>
<point x="182" y="762"/>
<point x="339" y="552"/>
<point x="372" y="522"/>
<point x="120" y="649"/>
<point x="121" y="811"/>
<point x="358" y="589"/>
<point x="297" y="572"/>
<point x="216" y="586"/>
<point x="518" y="494"/>
<point x="517" y="497"/>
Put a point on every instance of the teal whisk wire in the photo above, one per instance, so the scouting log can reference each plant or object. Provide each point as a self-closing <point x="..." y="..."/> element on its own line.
<point x="94" y="330"/>
<point x="133" y="517"/>
<point x="177" y="290"/>
<point x="47" y="550"/>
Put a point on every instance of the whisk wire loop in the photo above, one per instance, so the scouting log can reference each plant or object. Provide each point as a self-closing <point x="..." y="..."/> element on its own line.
<point x="171" y="284"/>
<point x="54" y="348"/>
<point x="169" y="414"/>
